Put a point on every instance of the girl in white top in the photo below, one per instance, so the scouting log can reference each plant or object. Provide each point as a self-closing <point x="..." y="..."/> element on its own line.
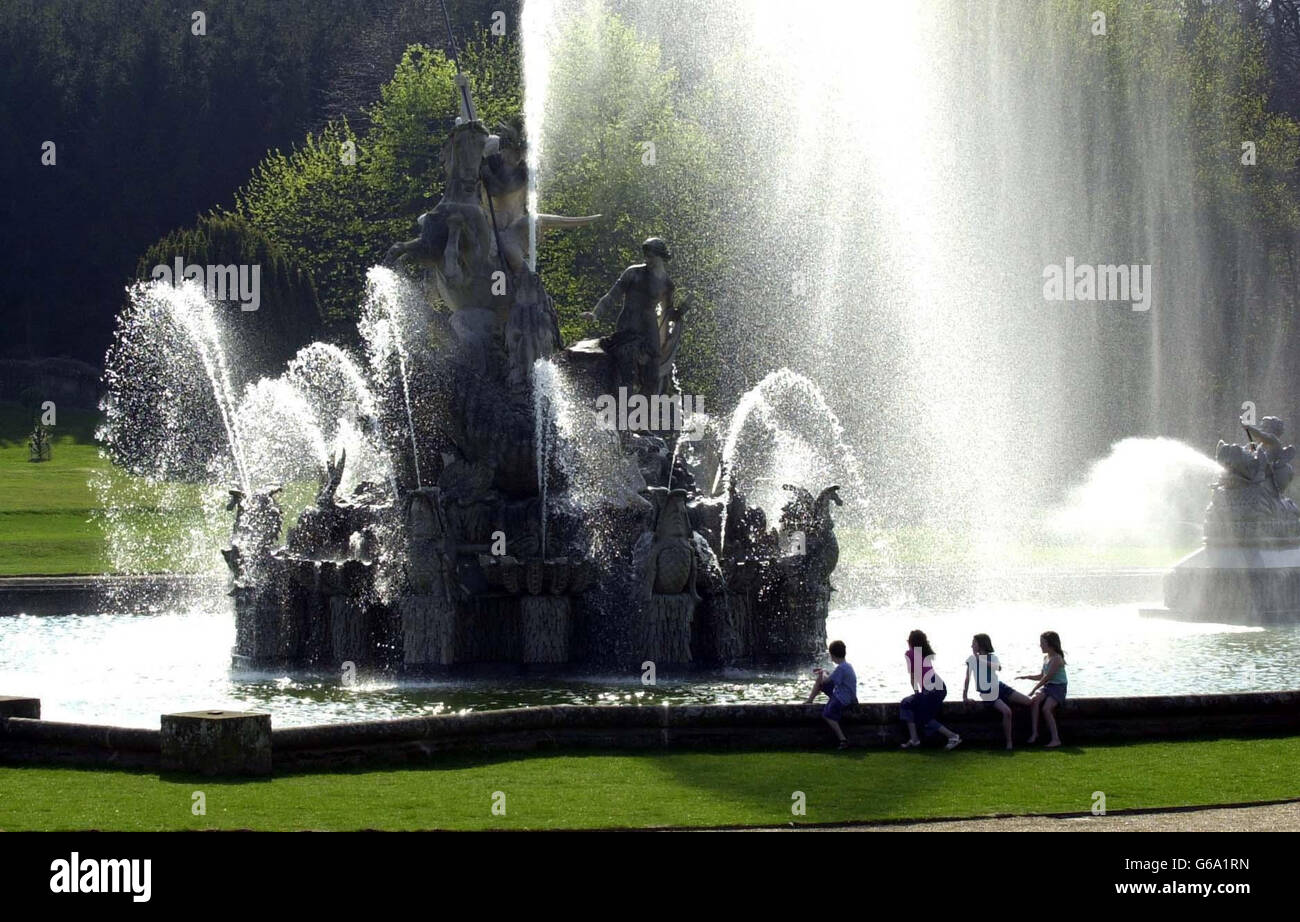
<point x="984" y="666"/>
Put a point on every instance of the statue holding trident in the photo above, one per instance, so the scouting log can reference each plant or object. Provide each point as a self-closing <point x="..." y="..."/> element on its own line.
<point x="648" y="328"/>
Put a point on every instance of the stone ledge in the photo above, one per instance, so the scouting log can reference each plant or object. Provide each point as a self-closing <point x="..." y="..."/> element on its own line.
<point x="763" y="726"/>
<point x="26" y="740"/>
<point x="67" y="595"/>
<point x="420" y="740"/>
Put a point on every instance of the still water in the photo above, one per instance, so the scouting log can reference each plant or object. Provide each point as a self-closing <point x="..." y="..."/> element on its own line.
<point x="128" y="669"/>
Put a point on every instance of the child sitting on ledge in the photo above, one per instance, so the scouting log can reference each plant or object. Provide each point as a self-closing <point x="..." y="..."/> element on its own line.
<point x="841" y="687"/>
<point x="983" y="665"/>
<point x="1049" y="693"/>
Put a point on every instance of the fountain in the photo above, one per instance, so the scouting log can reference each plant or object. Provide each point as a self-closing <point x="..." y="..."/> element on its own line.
<point x="869" y="267"/>
<point x="498" y="519"/>
<point x="1248" y="571"/>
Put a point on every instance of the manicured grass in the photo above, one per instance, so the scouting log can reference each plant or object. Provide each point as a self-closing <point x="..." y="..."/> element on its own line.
<point x="48" y="510"/>
<point x="45" y="508"/>
<point x="579" y="790"/>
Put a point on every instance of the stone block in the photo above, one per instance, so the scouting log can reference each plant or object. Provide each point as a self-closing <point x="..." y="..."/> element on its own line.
<point x="11" y="706"/>
<point x="217" y="743"/>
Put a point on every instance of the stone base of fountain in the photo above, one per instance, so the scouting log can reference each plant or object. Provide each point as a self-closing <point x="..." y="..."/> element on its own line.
<point x="1235" y="585"/>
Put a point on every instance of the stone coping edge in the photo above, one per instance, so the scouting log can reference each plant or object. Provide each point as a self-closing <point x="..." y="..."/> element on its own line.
<point x="614" y="727"/>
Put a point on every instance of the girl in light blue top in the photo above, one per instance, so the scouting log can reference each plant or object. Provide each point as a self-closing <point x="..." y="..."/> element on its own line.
<point x="1049" y="693"/>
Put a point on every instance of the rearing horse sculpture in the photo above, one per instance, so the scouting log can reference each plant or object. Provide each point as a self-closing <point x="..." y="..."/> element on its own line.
<point x="456" y="239"/>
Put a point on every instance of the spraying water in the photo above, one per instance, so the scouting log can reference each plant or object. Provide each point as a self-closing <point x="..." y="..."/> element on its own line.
<point x="383" y="326"/>
<point x="545" y="376"/>
<point x="172" y="422"/>
<point x="345" y="409"/>
<point x="538" y="20"/>
<point x="283" y="440"/>
<point x="894" y="181"/>
<point x="1146" y="492"/>
<point x="793" y="437"/>
<point x="162" y="336"/>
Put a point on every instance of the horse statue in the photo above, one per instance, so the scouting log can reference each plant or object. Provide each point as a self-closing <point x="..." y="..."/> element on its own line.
<point x="456" y="238"/>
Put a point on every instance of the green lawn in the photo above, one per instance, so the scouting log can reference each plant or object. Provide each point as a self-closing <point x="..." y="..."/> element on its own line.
<point x="45" y="509"/>
<point x="572" y="790"/>
<point x="48" y="510"/>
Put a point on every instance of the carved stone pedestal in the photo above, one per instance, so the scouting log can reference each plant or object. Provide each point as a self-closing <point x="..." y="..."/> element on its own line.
<point x="666" y="628"/>
<point x="258" y="624"/>
<point x="544" y="628"/>
<point x="428" y="630"/>
<point x="349" y="630"/>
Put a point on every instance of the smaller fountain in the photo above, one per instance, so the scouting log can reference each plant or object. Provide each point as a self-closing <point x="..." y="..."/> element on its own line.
<point x="1248" y="571"/>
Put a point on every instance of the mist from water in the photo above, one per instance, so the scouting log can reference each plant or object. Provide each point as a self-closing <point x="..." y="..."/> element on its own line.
<point x="896" y="179"/>
<point x="1146" y="492"/>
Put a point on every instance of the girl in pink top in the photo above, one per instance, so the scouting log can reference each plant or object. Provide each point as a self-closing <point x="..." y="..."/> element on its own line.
<point x="923" y="707"/>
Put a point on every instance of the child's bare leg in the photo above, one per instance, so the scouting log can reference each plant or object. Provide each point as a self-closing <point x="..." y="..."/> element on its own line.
<point x="1034" y="704"/>
<point x="911" y="732"/>
<point x="817" y="687"/>
<point x="1005" y="711"/>
<point x="835" y="725"/>
<point x="947" y="734"/>
<point x="1049" y="706"/>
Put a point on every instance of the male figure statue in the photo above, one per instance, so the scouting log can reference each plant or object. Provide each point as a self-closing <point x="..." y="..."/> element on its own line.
<point x="641" y="327"/>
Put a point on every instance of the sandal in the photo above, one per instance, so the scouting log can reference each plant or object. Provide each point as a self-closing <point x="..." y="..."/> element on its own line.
<point x="910" y="744"/>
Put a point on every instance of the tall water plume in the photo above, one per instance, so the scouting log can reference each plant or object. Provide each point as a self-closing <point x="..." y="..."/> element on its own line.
<point x="896" y="179"/>
<point x="172" y="424"/>
<point x="391" y="327"/>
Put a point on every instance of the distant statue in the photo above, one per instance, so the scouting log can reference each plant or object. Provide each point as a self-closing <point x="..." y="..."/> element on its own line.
<point x="38" y="445"/>
<point x="532" y="329"/>
<point x="456" y="239"/>
<point x="505" y="179"/>
<point x="1249" y="504"/>
<point x="670" y="567"/>
<point x="646" y="325"/>
<point x="335" y="528"/>
<point x="430" y="567"/>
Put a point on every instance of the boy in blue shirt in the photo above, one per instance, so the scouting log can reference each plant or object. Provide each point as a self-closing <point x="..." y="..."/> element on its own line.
<point x="840" y="687"/>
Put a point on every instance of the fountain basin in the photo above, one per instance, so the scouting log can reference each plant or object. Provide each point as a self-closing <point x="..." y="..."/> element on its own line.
<point x="128" y="669"/>
<point x="1235" y="585"/>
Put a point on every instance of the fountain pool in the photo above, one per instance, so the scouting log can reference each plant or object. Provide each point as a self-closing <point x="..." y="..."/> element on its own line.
<point x="126" y="670"/>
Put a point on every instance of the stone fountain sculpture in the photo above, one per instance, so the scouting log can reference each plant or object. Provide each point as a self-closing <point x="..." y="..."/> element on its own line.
<point x="491" y="555"/>
<point x="505" y="180"/>
<point x="647" y="325"/>
<point x="456" y="237"/>
<point x="1248" y="571"/>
